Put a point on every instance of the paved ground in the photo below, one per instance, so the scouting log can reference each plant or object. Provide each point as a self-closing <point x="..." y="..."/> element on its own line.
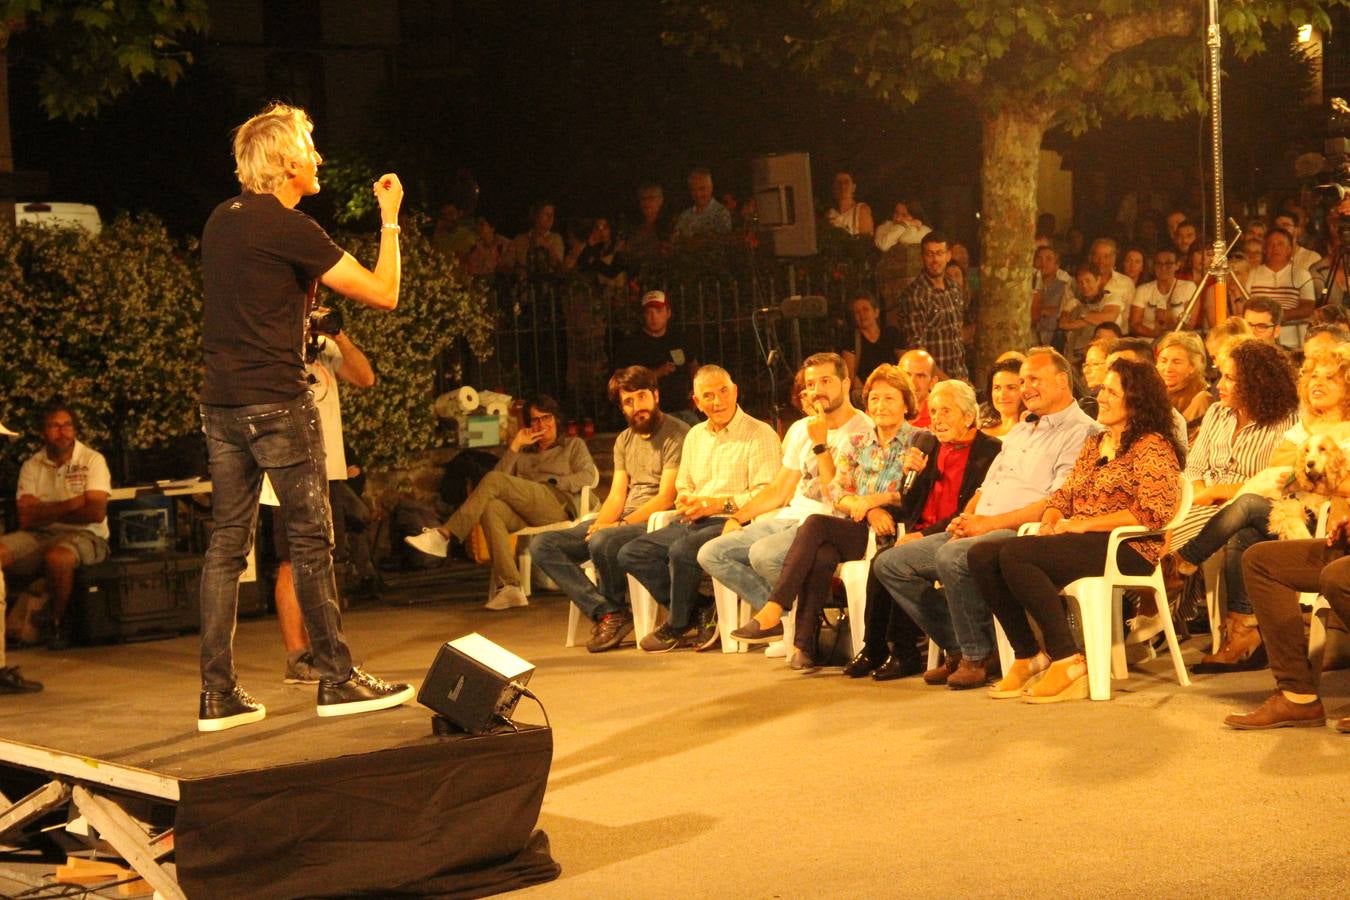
<point x="716" y="775"/>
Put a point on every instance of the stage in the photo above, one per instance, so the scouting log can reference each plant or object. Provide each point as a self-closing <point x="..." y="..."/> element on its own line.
<point x="295" y="806"/>
<point x="712" y="775"/>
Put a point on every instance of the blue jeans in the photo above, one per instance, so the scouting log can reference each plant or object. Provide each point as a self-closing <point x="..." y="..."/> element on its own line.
<point x="750" y="559"/>
<point x="1240" y="524"/>
<point x="665" y="562"/>
<point x="908" y="571"/>
<point x="285" y="441"/>
<point x="561" y="554"/>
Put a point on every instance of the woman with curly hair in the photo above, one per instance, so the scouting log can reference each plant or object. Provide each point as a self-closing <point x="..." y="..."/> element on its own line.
<point x="1125" y="475"/>
<point x="1325" y="410"/>
<point x="1005" y="406"/>
<point x="1181" y="363"/>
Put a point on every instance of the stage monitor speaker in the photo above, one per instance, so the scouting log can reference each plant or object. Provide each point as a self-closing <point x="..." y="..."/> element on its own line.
<point x="784" y="204"/>
<point x="474" y="683"/>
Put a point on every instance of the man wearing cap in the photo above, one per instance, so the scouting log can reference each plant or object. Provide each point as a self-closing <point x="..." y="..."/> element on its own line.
<point x="11" y="682"/>
<point x="665" y="351"/>
<point x="63" y="514"/>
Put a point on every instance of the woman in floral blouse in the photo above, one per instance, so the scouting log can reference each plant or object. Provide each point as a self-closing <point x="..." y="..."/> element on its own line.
<point x="1126" y="475"/>
<point x="865" y="477"/>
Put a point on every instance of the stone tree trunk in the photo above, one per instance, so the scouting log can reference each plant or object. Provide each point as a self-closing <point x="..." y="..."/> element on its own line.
<point x="1009" y="176"/>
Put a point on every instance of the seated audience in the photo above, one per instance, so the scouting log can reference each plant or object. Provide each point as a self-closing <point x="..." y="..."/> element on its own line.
<point x="1036" y="456"/>
<point x="11" y="680"/>
<point x="599" y="254"/>
<point x="725" y="462"/>
<point x="1291" y="221"/>
<point x="535" y="483"/>
<point x="748" y="556"/>
<point x="1141" y="350"/>
<point x="1219" y="336"/>
<point x="1280" y="280"/>
<point x="666" y="350"/>
<point x="646" y="460"/>
<point x="1089" y="305"/>
<point x="538" y="251"/>
<point x="1181" y="363"/>
<point x="1263" y="316"/>
<point x="1005" y="398"/>
<point x="1133" y="267"/>
<point x="900" y="228"/>
<point x="63" y="515"/>
<point x="871" y="344"/>
<point x="861" y="482"/>
<point x="1049" y="285"/>
<point x="1125" y="475"/>
<point x="486" y="256"/>
<point x="947" y="481"/>
<point x="919" y="367"/>
<point x="848" y="214"/>
<point x="1276" y="573"/>
<point x="706" y="217"/>
<point x="1159" y="304"/>
<point x="651" y="238"/>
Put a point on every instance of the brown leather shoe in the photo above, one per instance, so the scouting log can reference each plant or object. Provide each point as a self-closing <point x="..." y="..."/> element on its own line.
<point x="1343" y="725"/>
<point x="943" y="670"/>
<point x="1241" y="651"/>
<point x="1279" y="712"/>
<point x="973" y="673"/>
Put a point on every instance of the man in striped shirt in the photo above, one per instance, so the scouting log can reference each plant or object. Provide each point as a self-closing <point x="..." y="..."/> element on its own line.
<point x="1280" y="280"/>
<point x="725" y="461"/>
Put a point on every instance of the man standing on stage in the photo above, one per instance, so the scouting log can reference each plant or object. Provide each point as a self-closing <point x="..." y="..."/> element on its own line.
<point x="261" y="261"/>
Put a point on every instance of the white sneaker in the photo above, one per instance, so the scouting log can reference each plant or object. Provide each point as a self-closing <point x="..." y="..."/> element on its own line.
<point x="430" y="541"/>
<point x="776" y="650"/>
<point x="508" y="597"/>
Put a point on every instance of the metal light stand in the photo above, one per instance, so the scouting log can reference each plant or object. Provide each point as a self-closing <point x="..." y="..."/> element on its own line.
<point x="1218" y="266"/>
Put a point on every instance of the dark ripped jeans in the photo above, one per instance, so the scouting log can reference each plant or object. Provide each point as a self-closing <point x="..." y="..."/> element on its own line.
<point x="285" y="441"/>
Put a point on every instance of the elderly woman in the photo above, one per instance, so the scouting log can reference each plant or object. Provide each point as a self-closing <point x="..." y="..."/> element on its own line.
<point x="947" y="480"/>
<point x="1181" y="363"/>
<point x="864" y="479"/>
<point x="1126" y="475"/>
<point x="1325" y="404"/>
<point x="1005" y="406"/>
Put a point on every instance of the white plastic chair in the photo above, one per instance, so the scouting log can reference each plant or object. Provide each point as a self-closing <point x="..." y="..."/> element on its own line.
<point x="1099" y="600"/>
<point x="853" y="573"/>
<point x="574" y="616"/>
<point x="523" y="562"/>
<point x="732" y="611"/>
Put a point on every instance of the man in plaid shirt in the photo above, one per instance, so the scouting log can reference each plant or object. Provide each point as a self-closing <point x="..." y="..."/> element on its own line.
<point x="932" y="308"/>
<point x="725" y="461"/>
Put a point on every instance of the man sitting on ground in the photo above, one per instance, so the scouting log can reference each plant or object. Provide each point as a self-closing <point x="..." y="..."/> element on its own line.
<point x="725" y="462"/>
<point x="534" y="484"/>
<point x="63" y="515"/>
<point x="646" y="461"/>
<point x="749" y="554"/>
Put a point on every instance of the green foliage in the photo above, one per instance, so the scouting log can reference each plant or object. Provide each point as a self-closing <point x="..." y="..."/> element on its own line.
<point x="1076" y="60"/>
<point x="109" y="323"/>
<point x="392" y="421"/>
<point x="89" y="53"/>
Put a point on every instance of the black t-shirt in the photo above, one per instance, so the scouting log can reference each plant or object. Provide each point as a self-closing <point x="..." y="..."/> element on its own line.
<point x="871" y="355"/>
<point x="642" y="349"/>
<point x="259" y="260"/>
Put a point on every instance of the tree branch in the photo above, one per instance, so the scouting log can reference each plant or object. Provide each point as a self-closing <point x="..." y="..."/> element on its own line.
<point x="1118" y="35"/>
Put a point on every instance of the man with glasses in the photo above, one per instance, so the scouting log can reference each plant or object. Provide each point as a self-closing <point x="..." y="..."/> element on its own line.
<point x="63" y="515"/>
<point x="1159" y="304"/>
<point x="535" y="483"/>
<point x="1263" y="316"/>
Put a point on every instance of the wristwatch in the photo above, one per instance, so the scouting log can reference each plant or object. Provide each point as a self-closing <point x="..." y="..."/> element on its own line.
<point x="819" y="449"/>
<point x="729" y="507"/>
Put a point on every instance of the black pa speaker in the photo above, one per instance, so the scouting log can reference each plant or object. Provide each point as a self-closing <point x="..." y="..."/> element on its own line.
<point x="474" y="683"/>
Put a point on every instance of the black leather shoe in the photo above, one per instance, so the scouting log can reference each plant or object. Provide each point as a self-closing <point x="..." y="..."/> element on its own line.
<point x="360" y="693"/>
<point x="897" y="667"/>
<point x="220" y="710"/>
<point x="863" y="664"/>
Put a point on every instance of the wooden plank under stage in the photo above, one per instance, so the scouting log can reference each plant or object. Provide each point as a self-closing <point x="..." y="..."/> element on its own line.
<point x="293" y="806"/>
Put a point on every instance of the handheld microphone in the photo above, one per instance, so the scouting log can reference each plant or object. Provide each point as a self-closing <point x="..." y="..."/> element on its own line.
<point x="925" y="444"/>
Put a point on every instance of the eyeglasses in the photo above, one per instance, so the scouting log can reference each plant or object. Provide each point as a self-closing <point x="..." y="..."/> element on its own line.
<point x="1261" y="326"/>
<point x="536" y="421"/>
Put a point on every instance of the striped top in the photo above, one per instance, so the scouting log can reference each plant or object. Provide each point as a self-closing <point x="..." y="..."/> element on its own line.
<point x="1288" y="287"/>
<point x="1218" y="455"/>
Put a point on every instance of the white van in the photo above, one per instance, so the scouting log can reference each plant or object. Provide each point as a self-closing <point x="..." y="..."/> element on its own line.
<point x="59" y="215"/>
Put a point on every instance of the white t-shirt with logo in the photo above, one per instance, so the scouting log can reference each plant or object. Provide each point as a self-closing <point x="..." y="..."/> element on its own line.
<point x="87" y="470"/>
<point x="808" y="498"/>
<point x="1152" y="300"/>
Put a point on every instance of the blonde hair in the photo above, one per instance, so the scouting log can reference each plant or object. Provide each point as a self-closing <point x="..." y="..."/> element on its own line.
<point x="1338" y="360"/>
<point x="1188" y="341"/>
<point x="265" y="143"/>
<point x="896" y="378"/>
